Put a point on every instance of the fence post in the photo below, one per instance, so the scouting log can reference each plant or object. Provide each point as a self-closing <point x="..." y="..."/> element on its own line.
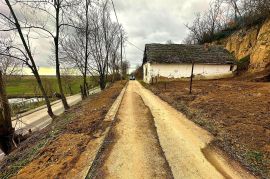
<point x="191" y="78"/>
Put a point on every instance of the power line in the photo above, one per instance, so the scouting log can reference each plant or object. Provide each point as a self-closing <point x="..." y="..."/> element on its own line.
<point x="119" y="26"/>
<point x="135" y="46"/>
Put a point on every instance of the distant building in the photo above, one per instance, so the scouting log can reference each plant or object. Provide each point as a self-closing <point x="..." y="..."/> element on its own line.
<point x="174" y="61"/>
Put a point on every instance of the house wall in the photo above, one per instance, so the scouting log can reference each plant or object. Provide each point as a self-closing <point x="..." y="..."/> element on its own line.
<point x="184" y="70"/>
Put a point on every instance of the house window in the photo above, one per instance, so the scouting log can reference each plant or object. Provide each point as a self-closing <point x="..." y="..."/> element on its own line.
<point x="145" y="71"/>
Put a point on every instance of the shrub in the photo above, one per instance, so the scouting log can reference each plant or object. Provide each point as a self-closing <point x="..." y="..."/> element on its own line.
<point x="243" y="63"/>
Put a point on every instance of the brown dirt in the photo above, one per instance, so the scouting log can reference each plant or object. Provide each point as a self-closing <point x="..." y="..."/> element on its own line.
<point x="236" y="112"/>
<point x="133" y="149"/>
<point x="65" y="155"/>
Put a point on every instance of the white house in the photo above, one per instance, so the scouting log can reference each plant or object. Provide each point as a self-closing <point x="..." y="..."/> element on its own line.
<point x="174" y="61"/>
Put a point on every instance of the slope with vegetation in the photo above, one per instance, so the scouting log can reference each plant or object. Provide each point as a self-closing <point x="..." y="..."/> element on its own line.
<point x="242" y="26"/>
<point x="62" y="149"/>
<point x="252" y="43"/>
<point x="85" y="41"/>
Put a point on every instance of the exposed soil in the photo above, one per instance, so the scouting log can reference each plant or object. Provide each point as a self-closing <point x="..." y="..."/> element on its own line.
<point x="61" y="150"/>
<point x="236" y="112"/>
<point x="185" y="144"/>
<point x="151" y="139"/>
<point x="133" y="150"/>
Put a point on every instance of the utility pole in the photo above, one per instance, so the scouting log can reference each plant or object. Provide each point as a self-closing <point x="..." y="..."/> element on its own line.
<point x="121" y="56"/>
<point x="191" y="78"/>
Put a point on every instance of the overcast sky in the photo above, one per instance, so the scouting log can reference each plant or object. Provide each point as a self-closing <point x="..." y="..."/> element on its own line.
<point x="155" y="21"/>
<point x="144" y="21"/>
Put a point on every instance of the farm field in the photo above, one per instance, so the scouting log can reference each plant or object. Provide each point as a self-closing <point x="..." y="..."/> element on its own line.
<point x="26" y="86"/>
<point x="235" y="112"/>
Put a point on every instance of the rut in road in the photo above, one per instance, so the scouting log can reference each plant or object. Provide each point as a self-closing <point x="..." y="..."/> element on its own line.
<point x="134" y="150"/>
<point x="151" y="139"/>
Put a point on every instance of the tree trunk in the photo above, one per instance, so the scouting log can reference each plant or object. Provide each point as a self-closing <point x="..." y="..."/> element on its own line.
<point x="102" y="82"/>
<point x="44" y="94"/>
<point x="85" y="91"/>
<point x="6" y="130"/>
<point x="58" y="75"/>
<point x="33" y="67"/>
<point x="85" y="94"/>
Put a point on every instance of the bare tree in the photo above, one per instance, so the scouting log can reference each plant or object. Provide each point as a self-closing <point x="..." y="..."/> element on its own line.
<point x="234" y="5"/>
<point x="58" y="12"/>
<point x="76" y="47"/>
<point x="101" y="42"/>
<point x="213" y="17"/>
<point x="87" y="29"/>
<point x="139" y="72"/>
<point x="197" y="29"/>
<point x="10" y="66"/>
<point x="207" y="24"/>
<point x="254" y="10"/>
<point x="22" y="52"/>
<point x="224" y="17"/>
<point x="125" y="68"/>
<point x="115" y="59"/>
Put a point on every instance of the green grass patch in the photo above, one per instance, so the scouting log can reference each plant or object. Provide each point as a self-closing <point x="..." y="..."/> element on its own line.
<point x="254" y="157"/>
<point x="19" y="86"/>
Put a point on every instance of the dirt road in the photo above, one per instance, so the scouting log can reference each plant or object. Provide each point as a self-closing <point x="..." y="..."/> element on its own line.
<point x="134" y="151"/>
<point x="153" y="140"/>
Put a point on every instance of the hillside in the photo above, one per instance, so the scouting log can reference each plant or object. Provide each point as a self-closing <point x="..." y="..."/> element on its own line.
<point x="253" y="44"/>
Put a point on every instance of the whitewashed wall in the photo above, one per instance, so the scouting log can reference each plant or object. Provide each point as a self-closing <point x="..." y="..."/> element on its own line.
<point x="184" y="70"/>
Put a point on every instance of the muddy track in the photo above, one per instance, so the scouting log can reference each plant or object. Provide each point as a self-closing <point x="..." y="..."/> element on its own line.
<point x="132" y="148"/>
<point x="150" y="139"/>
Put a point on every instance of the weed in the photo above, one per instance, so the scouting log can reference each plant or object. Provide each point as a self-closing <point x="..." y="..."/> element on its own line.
<point x="254" y="156"/>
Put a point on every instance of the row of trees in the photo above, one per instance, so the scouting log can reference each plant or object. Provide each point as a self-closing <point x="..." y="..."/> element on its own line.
<point x="224" y="17"/>
<point x="83" y="36"/>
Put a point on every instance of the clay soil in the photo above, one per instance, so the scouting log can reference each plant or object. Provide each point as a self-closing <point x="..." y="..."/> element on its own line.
<point x="237" y="113"/>
<point x="59" y="151"/>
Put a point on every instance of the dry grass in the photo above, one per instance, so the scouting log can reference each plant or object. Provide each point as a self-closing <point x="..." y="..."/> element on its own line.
<point x="236" y="112"/>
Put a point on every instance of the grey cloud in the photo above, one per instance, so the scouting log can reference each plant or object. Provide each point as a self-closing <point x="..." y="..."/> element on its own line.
<point x="155" y="21"/>
<point x="145" y="21"/>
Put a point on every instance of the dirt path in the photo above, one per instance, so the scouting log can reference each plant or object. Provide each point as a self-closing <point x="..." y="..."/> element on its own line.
<point x="186" y="145"/>
<point x="134" y="150"/>
<point x="153" y="140"/>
